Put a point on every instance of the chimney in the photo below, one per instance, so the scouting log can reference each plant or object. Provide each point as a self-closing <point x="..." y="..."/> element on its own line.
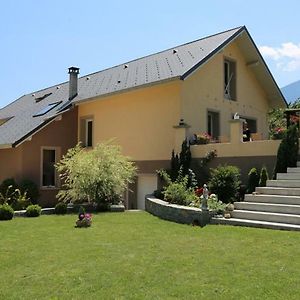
<point x="73" y="90"/>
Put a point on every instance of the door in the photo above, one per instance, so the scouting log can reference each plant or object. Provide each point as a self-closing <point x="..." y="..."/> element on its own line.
<point x="147" y="184"/>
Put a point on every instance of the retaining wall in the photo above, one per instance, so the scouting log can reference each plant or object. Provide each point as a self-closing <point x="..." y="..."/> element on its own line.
<point x="176" y="213"/>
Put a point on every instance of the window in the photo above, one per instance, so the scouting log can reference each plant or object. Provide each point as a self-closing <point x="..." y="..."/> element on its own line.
<point x="213" y="124"/>
<point x="86" y="131"/>
<point x="4" y="120"/>
<point x="48" y="174"/>
<point x="89" y="133"/>
<point x="229" y="79"/>
<point x="46" y="109"/>
<point x="38" y="99"/>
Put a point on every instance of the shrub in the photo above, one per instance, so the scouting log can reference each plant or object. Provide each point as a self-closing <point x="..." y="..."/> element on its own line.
<point x="20" y="200"/>
<point x="33" y="210"/>
<point x="158" y="194"/>
<point x="60" y="208"/>
<point x="177" y="192"/>
<point x="225" y="182"/>
<point x="287" y="153"/>
<point x="253" y="180"/>
<point x="7" y="190"/>
<point x="31" y="189"/>
<point x="6" y="212"/>
<point x="264" y="176"/>
<point x="101" y="173"/>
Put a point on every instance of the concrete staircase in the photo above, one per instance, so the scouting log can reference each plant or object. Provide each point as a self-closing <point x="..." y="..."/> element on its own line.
<point x="275" y="206"/>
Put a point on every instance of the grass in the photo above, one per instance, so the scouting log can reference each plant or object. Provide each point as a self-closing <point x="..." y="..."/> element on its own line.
<point x="135" y="255"/>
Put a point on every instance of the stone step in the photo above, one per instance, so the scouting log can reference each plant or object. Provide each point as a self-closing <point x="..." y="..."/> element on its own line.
<point x="268" y="207"/>
<point x="288" y="176"/>
<point x="255" y="223"/>
<point x="293" y="170"/>
<point x="266" y="216"/>
<point x="284" y="183"/>
<point x="278" y="191"/>
<point x="277" y="199"/>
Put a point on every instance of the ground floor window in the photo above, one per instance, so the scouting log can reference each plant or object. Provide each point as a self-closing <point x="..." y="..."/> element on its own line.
<point x="48" y="173"/>
<point x="86" y="131"/>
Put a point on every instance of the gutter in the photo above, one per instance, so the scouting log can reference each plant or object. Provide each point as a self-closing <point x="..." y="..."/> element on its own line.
<point x="6" y="146"/>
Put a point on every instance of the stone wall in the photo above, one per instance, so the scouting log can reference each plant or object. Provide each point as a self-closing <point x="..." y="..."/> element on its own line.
<point x="176" y="213"/>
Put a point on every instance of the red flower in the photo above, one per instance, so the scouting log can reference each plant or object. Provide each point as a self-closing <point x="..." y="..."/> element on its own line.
<point x="199" y="191"/>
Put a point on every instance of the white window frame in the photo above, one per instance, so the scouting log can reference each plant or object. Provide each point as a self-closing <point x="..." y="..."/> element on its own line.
<point x="57" y="157"/>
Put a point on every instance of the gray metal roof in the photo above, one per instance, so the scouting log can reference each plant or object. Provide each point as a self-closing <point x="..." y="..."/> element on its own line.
<point x="176" y="62"/>
<point x="165" y="65"/>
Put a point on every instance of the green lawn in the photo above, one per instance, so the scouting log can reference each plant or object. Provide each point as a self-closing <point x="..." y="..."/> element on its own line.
<point x="135" y="255"/>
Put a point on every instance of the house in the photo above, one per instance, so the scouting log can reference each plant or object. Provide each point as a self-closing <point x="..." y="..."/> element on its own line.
<point x="149" y="105"/>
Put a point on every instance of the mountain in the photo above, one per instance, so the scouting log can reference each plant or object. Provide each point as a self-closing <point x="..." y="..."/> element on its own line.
<point x="291" y="91"/>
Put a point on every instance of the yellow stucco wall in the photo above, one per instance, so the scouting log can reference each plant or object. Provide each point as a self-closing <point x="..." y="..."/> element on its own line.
<point x="204" y="90"/>
<point x="141" y="120"/>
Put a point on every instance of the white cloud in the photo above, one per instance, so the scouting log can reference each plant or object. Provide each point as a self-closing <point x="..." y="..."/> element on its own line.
<point x="269" y="52"/>
<point x="287" y="56"/>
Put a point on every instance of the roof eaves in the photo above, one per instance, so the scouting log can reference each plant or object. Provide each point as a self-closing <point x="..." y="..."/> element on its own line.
<point x="32" y="132"/>
<point x="79" y="101"/>
<point x="5" y="146"/>
<point x="210" y="55"/>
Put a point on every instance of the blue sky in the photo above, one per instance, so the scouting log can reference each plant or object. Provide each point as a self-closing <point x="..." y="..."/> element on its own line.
<point x="41" y="39"/>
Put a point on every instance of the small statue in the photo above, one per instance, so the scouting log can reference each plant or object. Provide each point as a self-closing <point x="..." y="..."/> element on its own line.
<point x="205" y="198"/>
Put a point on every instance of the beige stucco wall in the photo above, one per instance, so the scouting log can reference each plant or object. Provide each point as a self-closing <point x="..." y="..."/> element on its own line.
<point x="243" y="149"/>
<point x="141" y="121"/>
<point x="204" y="90"/>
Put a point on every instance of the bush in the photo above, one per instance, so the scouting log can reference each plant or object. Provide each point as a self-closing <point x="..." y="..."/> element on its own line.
<point x="101" y="173"/>
<point x="158" y="194"/>
<point x="287" y="153"/>
<point x="178" y="193"/>
<point x="253" y="180"/>
<point x="20" y="201"/>
<point x="7" y="190"/>
<point x="225" y="182"/>
<point x="33" y="211"/>
<point x="31" y="190"/>
<point x="60" y="208"/>
<point x="264" y="176"/>
<point x="6" y="212"/>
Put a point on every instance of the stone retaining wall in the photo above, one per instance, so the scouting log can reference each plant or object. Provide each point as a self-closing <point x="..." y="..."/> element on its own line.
<point x="176" y="213"/>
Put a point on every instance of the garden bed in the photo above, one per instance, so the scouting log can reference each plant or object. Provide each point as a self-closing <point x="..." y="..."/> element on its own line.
<point x="177" y="213"/>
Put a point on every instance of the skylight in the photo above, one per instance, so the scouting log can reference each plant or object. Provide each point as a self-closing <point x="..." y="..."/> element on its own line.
<point x="38" y="99"/>
<point x="46" y="109"/>
<point x="4" y="120"/>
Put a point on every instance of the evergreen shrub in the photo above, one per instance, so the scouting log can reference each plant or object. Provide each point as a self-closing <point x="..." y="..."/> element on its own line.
<point x="6" y="212"/>
<point x="225" y="182"/>
<point x="33" y="211"/>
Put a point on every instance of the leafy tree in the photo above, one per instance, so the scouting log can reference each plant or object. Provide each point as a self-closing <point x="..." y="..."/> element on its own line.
<point x="277" y="118"/>
<point x="98" y="175"/>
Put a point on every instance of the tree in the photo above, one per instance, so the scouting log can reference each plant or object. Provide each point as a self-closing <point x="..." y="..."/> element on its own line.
<point x="287" y="153"/>
<point x="98" y="175"/>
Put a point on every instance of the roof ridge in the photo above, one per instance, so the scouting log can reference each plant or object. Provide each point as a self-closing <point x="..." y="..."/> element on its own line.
<point x="152" y="54"/>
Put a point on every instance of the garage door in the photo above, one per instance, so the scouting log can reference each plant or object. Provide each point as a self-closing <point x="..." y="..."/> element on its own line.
<point x="147" y="183"/>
